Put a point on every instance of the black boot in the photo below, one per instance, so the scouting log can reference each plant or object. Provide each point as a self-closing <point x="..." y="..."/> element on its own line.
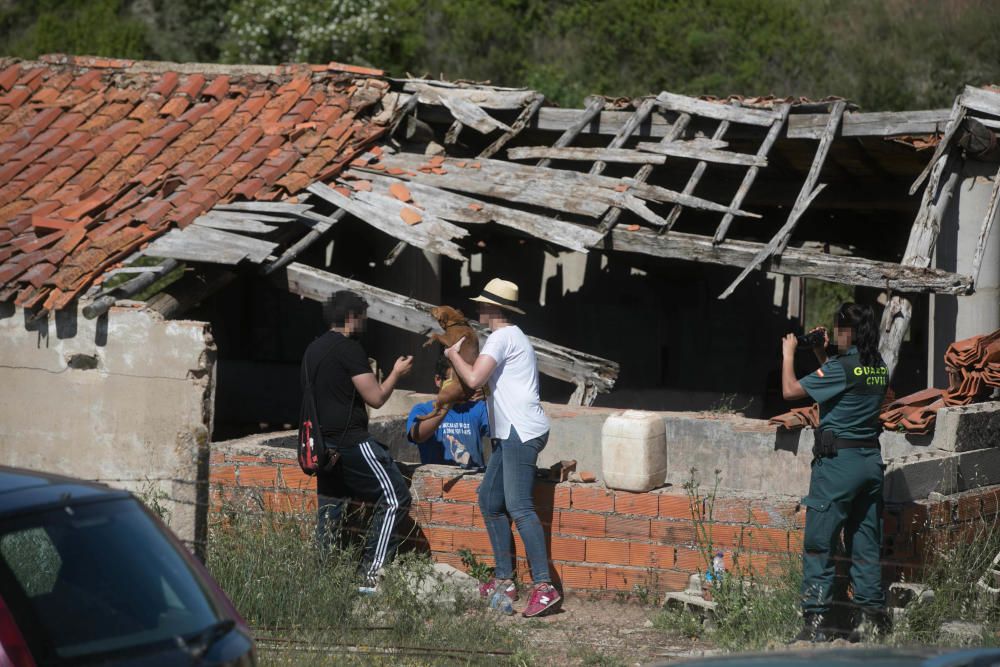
<point x="814" y="629"/>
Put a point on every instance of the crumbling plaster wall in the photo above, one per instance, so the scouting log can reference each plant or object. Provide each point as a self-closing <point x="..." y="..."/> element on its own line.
<point x="125" y="399"/>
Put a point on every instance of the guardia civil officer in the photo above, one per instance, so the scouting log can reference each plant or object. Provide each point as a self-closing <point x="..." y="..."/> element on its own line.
<point x="845" y="488"/>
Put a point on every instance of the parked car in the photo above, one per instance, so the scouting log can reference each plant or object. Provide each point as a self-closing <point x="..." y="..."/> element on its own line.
<point x="89" y="576"/>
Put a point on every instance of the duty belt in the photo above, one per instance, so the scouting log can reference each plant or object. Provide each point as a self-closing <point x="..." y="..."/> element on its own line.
<point x="827" y="444"/>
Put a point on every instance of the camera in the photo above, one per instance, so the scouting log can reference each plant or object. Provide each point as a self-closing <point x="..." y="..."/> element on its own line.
<point x="811" y="339"/>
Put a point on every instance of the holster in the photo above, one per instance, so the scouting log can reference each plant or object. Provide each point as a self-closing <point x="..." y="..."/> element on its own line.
<point x="824" y="444"/>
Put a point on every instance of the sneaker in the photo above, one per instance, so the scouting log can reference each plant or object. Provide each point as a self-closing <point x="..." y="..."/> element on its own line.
<point x="504" y="585"/>
<point x="543" y="598"/>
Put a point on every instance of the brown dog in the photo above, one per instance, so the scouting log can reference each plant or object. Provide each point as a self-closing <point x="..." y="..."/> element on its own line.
<point x="456" y="327"/>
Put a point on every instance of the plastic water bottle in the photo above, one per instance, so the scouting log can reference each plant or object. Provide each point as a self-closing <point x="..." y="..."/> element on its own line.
<point x="501" y="602"/>
<point x="718" y="566"/>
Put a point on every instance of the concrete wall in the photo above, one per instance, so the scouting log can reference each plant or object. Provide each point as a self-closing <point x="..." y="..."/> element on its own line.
<point x="124" y="399"/>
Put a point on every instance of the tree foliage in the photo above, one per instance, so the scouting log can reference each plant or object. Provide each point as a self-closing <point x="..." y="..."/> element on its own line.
<point x="887" y="54"/>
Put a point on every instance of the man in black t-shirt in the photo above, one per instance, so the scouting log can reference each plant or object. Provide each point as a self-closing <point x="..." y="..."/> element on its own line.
<point x="343" y="384"/>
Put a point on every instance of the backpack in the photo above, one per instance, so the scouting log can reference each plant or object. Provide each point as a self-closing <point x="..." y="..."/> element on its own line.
<point x="314" y="454"/>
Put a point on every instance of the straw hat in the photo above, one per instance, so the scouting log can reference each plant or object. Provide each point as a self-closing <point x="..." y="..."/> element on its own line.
<point x="501" y="293"/>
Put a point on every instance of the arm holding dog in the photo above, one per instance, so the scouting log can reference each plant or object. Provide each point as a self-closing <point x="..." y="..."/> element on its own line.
<point x="376" y="394"/>
<point x="473" y="375"/>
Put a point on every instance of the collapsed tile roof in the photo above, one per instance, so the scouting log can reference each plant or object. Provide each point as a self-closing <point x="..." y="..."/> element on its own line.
<point x="101" y="156"/>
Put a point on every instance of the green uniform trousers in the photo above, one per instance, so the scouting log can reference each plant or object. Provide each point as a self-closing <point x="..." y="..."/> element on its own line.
<point x="845" y="492"/>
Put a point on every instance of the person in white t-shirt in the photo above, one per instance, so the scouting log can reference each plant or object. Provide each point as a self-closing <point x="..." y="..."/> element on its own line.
<point x="519" y="430"/>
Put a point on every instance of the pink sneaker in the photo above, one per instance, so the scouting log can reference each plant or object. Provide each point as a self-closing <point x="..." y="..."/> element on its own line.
<point x="544" y="597"/>
<point x="506" y="585"/>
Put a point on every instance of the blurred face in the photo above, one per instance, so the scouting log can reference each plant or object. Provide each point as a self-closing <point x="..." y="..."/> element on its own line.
<point x="356" y="325"/>
<point x="842" y="337"/>
<point x="490" y="315"/>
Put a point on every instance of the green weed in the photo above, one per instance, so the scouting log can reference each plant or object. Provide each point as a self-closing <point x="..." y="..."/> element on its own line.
<point x="305" y="608"/>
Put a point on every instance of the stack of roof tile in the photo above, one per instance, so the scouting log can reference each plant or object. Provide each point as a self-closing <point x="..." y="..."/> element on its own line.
<point x="798" y="418"/>
<point x="973" y="366"/>
<point x="98" y="157"/>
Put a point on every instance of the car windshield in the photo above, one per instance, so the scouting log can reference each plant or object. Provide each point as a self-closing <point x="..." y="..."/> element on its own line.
<point x="101" y="577"/>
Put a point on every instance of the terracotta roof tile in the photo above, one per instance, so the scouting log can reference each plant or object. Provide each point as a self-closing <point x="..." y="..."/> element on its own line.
<point x="9" y="76"/>
<point x="100" y="156"/>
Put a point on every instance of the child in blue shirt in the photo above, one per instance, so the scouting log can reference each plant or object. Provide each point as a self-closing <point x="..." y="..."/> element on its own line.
<point x="454" y="438"/>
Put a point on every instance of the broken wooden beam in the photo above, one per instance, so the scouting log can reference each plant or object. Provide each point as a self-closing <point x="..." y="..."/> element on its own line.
<point x="919" y="251"/>
<point x="794" y="262"/>
<point x="623" y="135"/>
<point x="718" y="111"/>
<point x="954" y="121"/>
<point x="806" y="195"/>
<point x="214" y="246"/>
<point x="694" y="179"/>
<point x="748" y="178"/>
<point x="412" y="315"/>
<point x="130" y="288"/>
<point x="323" y="225"/>
<point x="468" y="113"/>
<point x="384" y="214"/>
<point x="522" y="121"/>
<point x="594" y="107"/>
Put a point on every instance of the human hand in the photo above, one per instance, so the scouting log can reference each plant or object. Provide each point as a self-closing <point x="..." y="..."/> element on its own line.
<point x="403" y="366"/>
<point x="478" y="395"/>
<point x="454" y="349"/>
<point x="788" y="345"/>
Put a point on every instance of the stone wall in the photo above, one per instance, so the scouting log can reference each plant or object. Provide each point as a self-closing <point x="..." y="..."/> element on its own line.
<point x="125" y="399"/>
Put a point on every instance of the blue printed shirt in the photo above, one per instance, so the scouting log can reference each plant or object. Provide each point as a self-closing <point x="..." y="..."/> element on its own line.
<point x="458" y="438"/>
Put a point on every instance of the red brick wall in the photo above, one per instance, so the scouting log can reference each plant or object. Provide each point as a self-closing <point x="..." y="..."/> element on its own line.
<point x="607" y="541"/>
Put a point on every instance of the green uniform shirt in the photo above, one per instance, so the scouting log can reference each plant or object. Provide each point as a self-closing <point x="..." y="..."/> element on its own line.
<point x="849" y="395"/>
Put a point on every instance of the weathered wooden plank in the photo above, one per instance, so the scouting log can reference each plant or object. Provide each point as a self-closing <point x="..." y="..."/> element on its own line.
<point x="322" y="226"/>
<point x="254" y="207"/>
<point x="807" y="194"/>
<point x="870" y="124"/>
<point x="984" y="230"/>
<point x="243" y="226"/>
<point x="239" y="216"/>
<point x="954" y="121"/>
<point x="594" y="107"/>
<point x="468" y="113"/>
<point x="694" y="152"/>
<point x="481" y="96"/>
<point x="610" y="218"/>
<point x="460" y="208"/>
<point x="919" y="251"/>
<point x="751" y="174"/>
<point x="799" y="126"/>
<point x="203" y="244"/>
<point x="619" y="155"/>
<point x="683" y="104"/>
<point x="794" y="262"/>
<point x="696" y="175"/>
<point x="522" y="121"/>
<point x="623" y="135"/>
<point x="424" y="235"/>
<point x="773" y="245"/>
<point x="413" y="315"/>
<point x="557" y="189"/>
<point x="981" y="100"/>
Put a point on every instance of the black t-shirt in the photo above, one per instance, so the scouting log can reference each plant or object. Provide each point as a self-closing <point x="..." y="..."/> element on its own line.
<point x="339" y="405"/>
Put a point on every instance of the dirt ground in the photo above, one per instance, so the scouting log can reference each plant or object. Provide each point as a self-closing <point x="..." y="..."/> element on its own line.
<point x="604" y="632"/>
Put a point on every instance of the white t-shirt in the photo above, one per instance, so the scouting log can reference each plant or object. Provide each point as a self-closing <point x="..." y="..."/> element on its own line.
<point x="513" y="386"/>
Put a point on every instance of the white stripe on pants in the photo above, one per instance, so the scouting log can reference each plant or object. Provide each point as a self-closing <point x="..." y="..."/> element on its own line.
<point x="389" y="518"/>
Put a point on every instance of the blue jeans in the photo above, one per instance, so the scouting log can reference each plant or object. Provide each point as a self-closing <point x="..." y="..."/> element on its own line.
<point x="505" y="494"/>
